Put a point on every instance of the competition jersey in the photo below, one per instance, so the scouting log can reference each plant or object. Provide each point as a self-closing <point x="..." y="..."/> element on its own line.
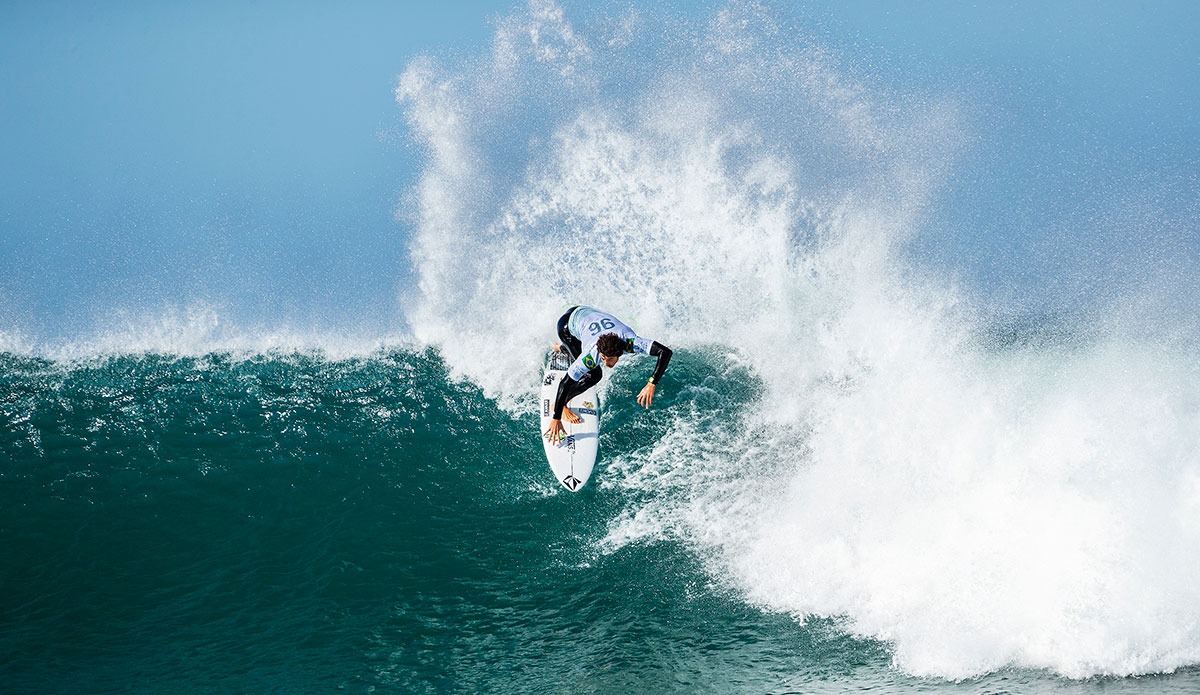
<point x="588" y="325"/>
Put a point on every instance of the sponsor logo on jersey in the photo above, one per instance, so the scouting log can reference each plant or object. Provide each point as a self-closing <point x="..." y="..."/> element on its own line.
<point x="589" y="361"/>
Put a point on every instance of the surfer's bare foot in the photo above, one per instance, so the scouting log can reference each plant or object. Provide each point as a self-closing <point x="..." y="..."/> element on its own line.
<point x="571" y="417"/>
<point x="557" y="347"/>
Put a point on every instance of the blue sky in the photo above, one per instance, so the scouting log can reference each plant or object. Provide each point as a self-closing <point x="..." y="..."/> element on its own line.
<point x="238" y="152"/>
<point x="1086" y="118"/>
<point x="251" y="153"/>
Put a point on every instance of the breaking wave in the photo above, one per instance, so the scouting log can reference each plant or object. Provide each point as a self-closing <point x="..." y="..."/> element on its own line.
<point x="976" y="493"/>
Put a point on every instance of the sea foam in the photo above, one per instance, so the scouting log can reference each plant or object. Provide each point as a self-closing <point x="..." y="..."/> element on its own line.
<point x="976" y="504"/>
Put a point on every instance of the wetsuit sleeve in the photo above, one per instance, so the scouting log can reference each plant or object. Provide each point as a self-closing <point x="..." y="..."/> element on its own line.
<point x="663" y="353"/>
<point x="560" y="400"/>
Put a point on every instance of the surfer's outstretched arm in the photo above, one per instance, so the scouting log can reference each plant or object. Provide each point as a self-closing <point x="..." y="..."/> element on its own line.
<point x="663" y="353"/>
<point x="568" y="388"/>
<point x="664" y="357"/>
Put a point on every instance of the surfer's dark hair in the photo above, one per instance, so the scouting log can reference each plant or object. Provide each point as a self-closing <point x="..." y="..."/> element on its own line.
<point x="610" y="345"/>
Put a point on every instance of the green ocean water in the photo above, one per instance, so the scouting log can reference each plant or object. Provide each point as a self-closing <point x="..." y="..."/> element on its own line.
<point x="932" y="424"/>
<point x="297" y="524"/>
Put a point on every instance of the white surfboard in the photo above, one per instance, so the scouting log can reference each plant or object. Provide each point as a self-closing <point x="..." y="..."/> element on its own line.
<point x="574" y="456"/>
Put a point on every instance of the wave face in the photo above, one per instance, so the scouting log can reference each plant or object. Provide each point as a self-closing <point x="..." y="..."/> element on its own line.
<point x="296" y="523"/>
<point x="976" y="495"/>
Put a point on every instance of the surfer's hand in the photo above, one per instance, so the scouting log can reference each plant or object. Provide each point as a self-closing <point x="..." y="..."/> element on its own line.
<point x="555" y="432"/>
<point x="647" y="395"/>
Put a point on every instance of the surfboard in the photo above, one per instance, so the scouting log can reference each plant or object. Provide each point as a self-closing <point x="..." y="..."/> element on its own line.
<point x="574" y="456"/>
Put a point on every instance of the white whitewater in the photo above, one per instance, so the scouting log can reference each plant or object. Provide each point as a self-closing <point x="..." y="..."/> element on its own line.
<point x="740" y="193"/>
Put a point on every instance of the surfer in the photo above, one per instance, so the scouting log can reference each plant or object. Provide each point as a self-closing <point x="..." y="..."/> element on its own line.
<point x="591" y="337"/>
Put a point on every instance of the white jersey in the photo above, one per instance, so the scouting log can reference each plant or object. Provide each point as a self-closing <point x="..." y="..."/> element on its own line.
<point x="588" y="325"/>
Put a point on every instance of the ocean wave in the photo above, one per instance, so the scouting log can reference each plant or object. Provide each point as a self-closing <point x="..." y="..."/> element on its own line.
<point x="976" y="505"/>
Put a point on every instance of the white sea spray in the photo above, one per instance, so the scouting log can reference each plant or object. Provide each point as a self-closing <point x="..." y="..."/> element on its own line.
<point x="976" y="506"/>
